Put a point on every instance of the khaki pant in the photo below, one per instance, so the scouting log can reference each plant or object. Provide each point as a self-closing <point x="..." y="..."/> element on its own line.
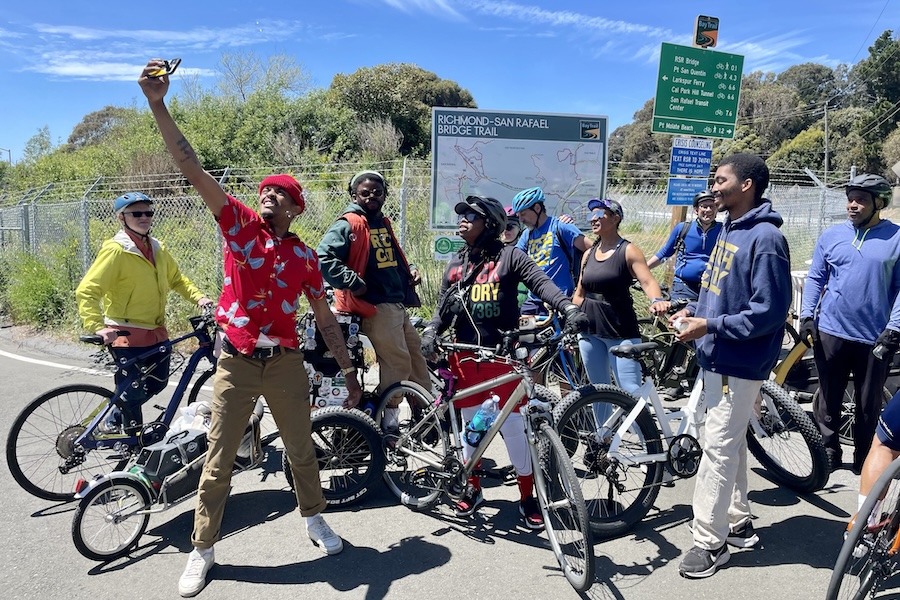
<point x="397" y="347"/>
<point x="238" y="382"/>
<point x="720" y="494"/>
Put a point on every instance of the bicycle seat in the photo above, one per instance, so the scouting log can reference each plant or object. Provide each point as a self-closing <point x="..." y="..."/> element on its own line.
<point x="633" y="350"/>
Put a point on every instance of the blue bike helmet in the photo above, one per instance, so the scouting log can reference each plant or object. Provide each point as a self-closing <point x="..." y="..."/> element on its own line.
<point x="527" y="199"/>
<point x="126" y="200"/>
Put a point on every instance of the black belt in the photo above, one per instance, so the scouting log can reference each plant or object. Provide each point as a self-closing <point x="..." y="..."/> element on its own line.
<point x="258" y="353"/>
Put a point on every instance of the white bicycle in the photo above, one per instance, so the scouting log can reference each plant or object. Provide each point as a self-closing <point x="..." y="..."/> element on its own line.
<point x="621" y="445"/>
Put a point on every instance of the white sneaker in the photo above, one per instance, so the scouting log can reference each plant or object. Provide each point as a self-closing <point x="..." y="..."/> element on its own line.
<point x="323" y="536"/>
<point x="193" y="580"/>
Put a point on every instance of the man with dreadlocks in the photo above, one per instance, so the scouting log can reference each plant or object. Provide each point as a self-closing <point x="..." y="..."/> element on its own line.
<point x="478" y="300"/>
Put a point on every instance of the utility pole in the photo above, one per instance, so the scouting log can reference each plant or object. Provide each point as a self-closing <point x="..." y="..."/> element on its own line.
<point x="8" y="155"/>
<point x="825" y="178"/>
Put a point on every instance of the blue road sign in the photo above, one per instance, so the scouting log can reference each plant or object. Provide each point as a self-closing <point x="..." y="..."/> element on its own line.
<point x="681" y="192"/>
<point x="691" y="157"/>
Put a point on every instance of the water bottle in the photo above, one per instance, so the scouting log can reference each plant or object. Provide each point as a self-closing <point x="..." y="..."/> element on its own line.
<point x="680" y="325"/>
<point x="482" y="420"/>
<point x="879" y="351"/>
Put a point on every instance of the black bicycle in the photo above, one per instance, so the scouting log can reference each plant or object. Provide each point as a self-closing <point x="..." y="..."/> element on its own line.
<point x="57" y="441"/>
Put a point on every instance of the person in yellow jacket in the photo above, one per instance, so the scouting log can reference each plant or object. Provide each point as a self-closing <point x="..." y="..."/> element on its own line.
<point x="123" y="296"/>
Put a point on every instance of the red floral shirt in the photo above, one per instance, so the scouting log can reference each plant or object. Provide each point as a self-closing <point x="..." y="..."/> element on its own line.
<point x="264" y="277"/>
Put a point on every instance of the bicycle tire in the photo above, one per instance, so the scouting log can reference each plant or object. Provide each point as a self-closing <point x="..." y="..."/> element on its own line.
<point x="105" y="527"/>
<point x="43" y="435"/>
<point x="792" y="453"/>
<point x="653" y="330"/>
<point x="848" y="412"/>
<point x="415" y="483"/>
<point x="562" y="505"/>
<point x="857" y="576"/>
<point x="348" y="450"/>
<point x="616" y="495"/>
<point x="201" y="391"/>
<point x="564" y="374"/>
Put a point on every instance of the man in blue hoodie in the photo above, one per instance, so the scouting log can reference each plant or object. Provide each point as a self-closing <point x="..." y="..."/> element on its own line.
<point x="850" y="305"/>
<point x="738" y="322"/>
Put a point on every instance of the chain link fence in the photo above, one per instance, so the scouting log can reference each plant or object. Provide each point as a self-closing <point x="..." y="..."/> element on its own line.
<point x="68" y="221"/>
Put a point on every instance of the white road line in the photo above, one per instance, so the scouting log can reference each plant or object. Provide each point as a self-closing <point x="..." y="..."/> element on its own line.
<point x="47" y="363"/>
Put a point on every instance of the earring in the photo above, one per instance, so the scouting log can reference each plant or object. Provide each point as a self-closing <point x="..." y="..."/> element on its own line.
<point x="289" y="214"/>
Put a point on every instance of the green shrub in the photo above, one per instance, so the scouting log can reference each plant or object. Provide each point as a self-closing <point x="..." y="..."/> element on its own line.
<point x="33" y="295"/>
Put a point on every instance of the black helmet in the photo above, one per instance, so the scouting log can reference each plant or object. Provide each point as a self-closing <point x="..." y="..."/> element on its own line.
<point x="704" y="195"/>
<point x="493" y="212"/>
<point x="874" y="184"/>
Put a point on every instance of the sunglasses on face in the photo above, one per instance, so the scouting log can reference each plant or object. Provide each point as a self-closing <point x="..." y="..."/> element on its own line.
<point x="377" y="193"/>
<point x="596" y="215"/>
<point x="141" y="213"/>
<point x="469" y="216"/>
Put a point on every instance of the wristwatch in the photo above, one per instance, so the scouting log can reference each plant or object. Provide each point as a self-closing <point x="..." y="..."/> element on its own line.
<point x="348" y="370"/>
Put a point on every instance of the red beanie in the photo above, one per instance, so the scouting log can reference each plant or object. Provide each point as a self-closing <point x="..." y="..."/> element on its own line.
<point x="289" y="185"/>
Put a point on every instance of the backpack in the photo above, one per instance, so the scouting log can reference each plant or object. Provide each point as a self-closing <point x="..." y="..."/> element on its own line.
<point x="679" y="241"/>
<point x="573" y="255"/>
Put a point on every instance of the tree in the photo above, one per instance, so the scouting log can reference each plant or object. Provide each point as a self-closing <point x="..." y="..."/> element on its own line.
<point x="804" y="150"/>
<point x="770" y="109"/>
<point x="891" y="149"/>
<point x="243" y="74"/>
<point x="38" y="145"/>
<point x="95" y="126"/>
<point x="813" y="83"/>
<point x="402" y="93"/>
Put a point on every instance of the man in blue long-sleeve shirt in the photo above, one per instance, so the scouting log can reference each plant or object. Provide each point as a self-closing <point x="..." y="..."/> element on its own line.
<point x="850" y="305"/>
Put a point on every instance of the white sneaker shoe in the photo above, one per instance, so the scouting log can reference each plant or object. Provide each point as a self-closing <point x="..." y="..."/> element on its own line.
<point x="193" y="580"/>
<point x="323" y="536"/>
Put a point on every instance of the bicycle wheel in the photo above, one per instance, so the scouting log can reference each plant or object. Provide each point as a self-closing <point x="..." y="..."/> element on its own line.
<point x="868" y="555"/>
<point x="415" y="446"/>
<point x="565" y="372"/>
<point x="791" y="449"/>
<point x="110" y="519"/>
<point x="617" y="494"/>
<point x="848" y="412"/>
<point x="348" y="450"/>
<point x="202" y="389"/>
<point x="565" y="515"/>
<point x="653" y="329"/>
<point x="42" y="440"/>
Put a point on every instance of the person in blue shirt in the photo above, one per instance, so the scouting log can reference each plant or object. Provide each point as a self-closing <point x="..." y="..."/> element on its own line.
<point x="548" y="242"/>
<point x="738" y="324"/>
<point x="850" y="305"/>
<point x="692" y="249"/>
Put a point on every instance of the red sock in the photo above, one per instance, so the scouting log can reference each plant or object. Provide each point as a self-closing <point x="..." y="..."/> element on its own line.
<point x="526" y="486"/>
<point x="475" y="480"/>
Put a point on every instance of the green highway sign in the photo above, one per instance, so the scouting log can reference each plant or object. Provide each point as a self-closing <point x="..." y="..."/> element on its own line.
<point x="697" y="92"/>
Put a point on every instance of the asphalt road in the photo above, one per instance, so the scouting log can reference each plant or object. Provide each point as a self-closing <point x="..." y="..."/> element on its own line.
<point x="391" y="551"/>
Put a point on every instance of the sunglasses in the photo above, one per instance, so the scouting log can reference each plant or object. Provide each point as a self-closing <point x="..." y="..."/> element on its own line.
<point x="596" y="215"/>
<point x="141" y="213"/>
<point x="469" y="216"/>
<point x="377" y="193"/>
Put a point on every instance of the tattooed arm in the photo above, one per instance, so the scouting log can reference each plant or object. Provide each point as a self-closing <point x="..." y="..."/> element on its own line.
<point x="155" y="89"/>
<point x="334" y="339"/>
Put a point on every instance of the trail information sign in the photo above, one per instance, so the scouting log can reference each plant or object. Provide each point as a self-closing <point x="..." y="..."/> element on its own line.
<point x="697" y="92"/>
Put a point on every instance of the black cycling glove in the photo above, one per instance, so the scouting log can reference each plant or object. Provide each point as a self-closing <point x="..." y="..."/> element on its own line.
<point x="576" y="321"/>
<point x="429" y="342"/>
<point x="809" y="329"/>
<point x="890" y="339"/>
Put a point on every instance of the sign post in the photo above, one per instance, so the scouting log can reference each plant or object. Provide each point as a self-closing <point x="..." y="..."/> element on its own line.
<point x="697" y="92"/>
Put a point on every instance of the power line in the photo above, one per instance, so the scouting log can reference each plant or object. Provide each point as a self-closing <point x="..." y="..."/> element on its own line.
<point x="878" y="18"/>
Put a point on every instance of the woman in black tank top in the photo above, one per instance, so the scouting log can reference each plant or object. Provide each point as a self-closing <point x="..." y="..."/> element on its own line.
<point x="604" y="294"/>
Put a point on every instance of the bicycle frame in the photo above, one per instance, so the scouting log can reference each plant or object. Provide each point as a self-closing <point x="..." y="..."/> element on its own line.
<point x="445" y="403"/>
<point x="88" y="440"/>
<point x="688" y="419"/>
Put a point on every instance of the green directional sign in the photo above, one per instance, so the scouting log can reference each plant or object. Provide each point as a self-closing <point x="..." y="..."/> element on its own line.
<point x="697" y="92"/>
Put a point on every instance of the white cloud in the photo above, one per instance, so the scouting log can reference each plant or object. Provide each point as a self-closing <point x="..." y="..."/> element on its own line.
<point x="435" y="7"/>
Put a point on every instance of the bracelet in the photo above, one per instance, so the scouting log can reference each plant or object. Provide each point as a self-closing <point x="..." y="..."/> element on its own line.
<point x="348" y="370"/>
<point x="655" y="300"/>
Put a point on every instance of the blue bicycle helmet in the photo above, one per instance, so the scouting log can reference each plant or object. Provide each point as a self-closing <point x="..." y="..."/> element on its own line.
<point x="527" y="199"/>
<point x="126" y="200"/>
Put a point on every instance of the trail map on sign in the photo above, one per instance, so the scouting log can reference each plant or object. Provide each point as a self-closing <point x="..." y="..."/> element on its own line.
<point x="499" y="154"/>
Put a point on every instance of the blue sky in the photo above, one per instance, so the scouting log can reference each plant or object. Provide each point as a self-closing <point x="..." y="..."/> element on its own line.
<point x="591" y="57"/>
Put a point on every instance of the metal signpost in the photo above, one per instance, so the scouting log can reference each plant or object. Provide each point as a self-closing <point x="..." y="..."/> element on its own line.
<point x="697" y="92"/>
